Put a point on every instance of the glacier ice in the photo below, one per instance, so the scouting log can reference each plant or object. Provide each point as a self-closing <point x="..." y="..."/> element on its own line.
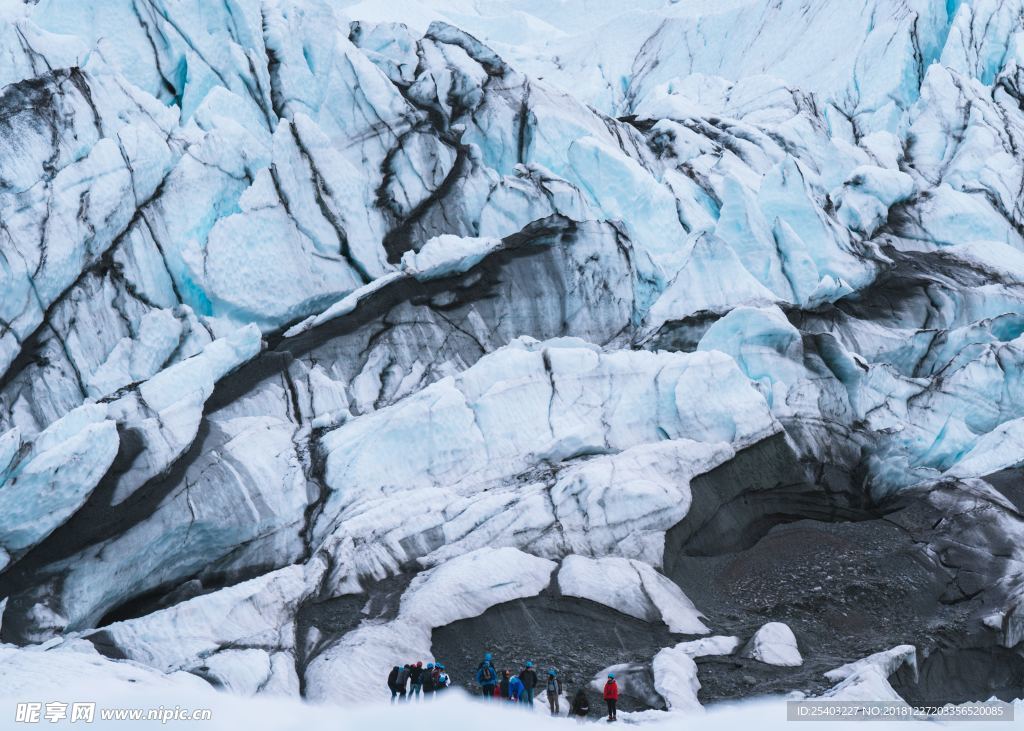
<point x="676" y="673"/>
<point x="774" y="644"/>
<point x="868" y="678"/>
<point x="633" y="588"/>
<point x="499" y="301"/>
<point x="44" y="480"/>
<point x="528" y="401"/>
<point x="887" y="661"/>
<point x="224" y="636"/>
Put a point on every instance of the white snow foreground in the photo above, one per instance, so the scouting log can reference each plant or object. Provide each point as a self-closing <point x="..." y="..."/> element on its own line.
<point x="76" y="675"/>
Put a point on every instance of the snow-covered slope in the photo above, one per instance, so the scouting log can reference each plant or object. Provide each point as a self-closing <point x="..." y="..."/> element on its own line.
<point x="332" y="334"/>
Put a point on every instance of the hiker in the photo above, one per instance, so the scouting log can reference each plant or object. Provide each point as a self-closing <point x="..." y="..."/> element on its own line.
<point x="415" y="680"/>
<point x="506" y="676"/>
<point x="402" y="683"/>
<point x="428" y="680"/>
<point x="554" y="689"/>
<point x="528" y="676"/>
<point x="611" y="696"/>
<point x="393" y="682"/>
<point x="487" y="677"/>
<point x="442" y="680"/>
<point x="515" y="689"/>
<point x="580" y="705"/>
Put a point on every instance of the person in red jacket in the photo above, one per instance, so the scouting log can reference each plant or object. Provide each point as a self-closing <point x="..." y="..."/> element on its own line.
<point x="611" y="696"/>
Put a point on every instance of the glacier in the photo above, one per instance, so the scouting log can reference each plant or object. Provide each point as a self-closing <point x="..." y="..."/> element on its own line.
<point x="687" y="336"/>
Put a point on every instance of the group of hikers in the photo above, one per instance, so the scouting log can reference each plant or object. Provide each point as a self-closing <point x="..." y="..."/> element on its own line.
<point x="409" y="681"/>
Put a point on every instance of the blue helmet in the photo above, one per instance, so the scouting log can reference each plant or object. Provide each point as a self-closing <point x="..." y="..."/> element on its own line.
<point x="552" y="671"/>
<point x="611" y="676"/>
<point x="487" y="657"/>
<point x="439" y="666"/>
<point x="430" y="666"/>
<point x="529" y="663"/>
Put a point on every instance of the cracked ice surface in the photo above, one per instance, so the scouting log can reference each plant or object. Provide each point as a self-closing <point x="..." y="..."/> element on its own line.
<point x="223" y="636"/>
<point x="557" y="401"/>
<point x="44" y="481"/>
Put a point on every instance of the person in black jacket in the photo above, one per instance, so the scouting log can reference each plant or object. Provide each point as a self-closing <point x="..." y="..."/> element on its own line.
<point x="580" y="705"/>
<point x="428" y="680"/>
<point x="402" y="683"/>
<point x="506" y="676"/>
<point x="393" y="682"/>
<point x="529" y="678"/>
<point x="415" y="680"/>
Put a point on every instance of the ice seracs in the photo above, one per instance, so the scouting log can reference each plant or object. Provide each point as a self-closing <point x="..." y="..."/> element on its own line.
<point x="579" y="266"/>
<point x="44" y="480"/>
<point x="241" y="638"/>
<point x="525" y="403"/>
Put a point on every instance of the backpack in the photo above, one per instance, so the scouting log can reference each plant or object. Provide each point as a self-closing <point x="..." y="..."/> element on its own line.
<point x="487" y="674"/>
<point x="552" y="685"/>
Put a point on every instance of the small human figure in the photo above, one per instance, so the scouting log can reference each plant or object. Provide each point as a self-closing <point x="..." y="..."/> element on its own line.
<point x="442" y="680"/>
<point x="515" y="689"/>
<point x="428" y="680"/>
<point x="415" y="681"/>
<point x="580" y="705"/>
<point x="554" y="689"/>
<point x="393" y="682"/>
<point x="506" y="676"/>
<point x="611" y="696"/>
<point x="402" y="682"/>
<point x="487" y="677"/>
<point x="528" y="676"/>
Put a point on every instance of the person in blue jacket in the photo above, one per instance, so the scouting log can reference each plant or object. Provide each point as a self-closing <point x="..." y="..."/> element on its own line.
<point x="487" y="677"/>
<point x="515" y="689"/>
